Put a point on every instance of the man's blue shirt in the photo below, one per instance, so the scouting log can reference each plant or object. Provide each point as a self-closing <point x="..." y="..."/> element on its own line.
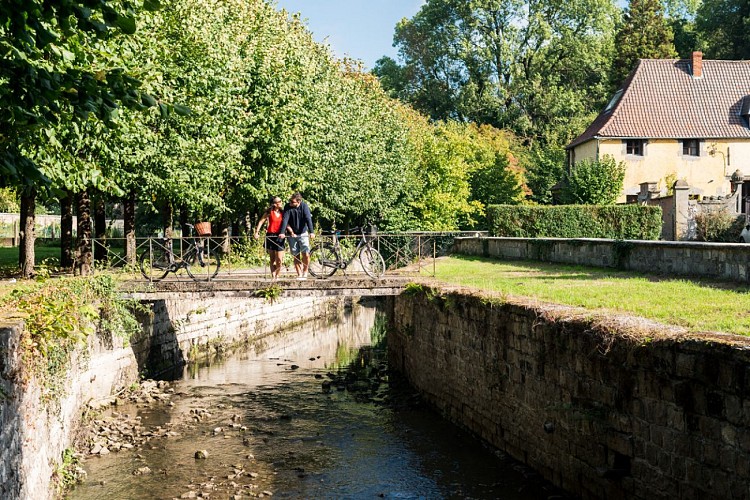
<point x="298" y="218"/>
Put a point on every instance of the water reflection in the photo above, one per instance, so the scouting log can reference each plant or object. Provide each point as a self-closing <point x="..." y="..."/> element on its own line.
<point x="310" y="414"/>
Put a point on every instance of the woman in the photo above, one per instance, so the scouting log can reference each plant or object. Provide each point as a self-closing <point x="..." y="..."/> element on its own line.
<point x="275" y="245"/>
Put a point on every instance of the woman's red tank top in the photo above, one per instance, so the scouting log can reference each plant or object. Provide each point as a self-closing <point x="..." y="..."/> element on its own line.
<point x="274" y="222"/>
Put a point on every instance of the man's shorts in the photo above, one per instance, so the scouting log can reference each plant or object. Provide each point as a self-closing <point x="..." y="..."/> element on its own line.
<point x="299" y="244"/>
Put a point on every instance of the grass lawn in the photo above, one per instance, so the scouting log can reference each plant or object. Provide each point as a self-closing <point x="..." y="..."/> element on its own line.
<point x="9" y="255"/>
<point x="698" y="305"/>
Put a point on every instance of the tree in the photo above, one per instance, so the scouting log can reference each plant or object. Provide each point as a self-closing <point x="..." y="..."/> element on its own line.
<point x="592" y="182"/>
<point x="545" y="168"/>
<point x="54" y="64"/>
<point x="49" y="63"/>
<point x="644" y="34"/>
<point x="538" y="68"/>
<point x="724" y="26"/>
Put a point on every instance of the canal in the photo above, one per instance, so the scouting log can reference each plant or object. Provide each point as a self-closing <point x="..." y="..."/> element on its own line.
<point x="310" y="413"/>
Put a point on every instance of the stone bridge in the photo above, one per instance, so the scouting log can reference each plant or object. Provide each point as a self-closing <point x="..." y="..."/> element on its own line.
<point x="344" y="286"/>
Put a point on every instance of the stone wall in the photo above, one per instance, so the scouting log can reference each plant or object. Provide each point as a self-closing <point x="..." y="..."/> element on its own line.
<point x="598" y="413"/>
<point x="33" y="435"/>
<point x="730" y="261"/>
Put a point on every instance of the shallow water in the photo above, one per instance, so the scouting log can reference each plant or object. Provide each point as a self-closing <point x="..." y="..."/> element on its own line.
<point x="279" y="424"/>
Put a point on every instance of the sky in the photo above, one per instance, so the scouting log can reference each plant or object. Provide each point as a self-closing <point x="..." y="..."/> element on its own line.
<point x="361" y="29"/>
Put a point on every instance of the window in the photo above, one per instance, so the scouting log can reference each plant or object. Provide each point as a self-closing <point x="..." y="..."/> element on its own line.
<point x="634" y="147"/>
<point x="691" y="147"/>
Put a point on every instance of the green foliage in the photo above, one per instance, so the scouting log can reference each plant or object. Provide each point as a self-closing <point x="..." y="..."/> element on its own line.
<point x="55" y="65"/>
<point x="621" y="222"/>
<point x="724" y="26"/>
<point x="9" y="201"/>
<point x="685" y="37"/>
<point x="60" y="314"/>
<point x="412" y="289"/>
<point x="718" y="225"/>
<point x="270" y="293"/>
<point x="545" y="168"/>
<point x="538" y="69"/>
<point x="645" y="34"/>
<point x="594" y="182"/>
<point x="69" y="471"/>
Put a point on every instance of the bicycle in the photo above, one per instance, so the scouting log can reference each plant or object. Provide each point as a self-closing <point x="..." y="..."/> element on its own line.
<point x="201" y="262"/>
<point x="327" y="257"/>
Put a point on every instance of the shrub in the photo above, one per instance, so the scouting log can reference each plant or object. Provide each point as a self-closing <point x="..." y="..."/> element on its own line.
<point x="594" y="182"/>
<point x="718" y="225"/>
<point x="622" y="222"/>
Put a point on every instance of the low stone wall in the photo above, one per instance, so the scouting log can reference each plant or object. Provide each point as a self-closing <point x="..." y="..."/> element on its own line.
<point x="33" y="435"/>
<point x="598" y="413"/>
<point x="729" y="261"/>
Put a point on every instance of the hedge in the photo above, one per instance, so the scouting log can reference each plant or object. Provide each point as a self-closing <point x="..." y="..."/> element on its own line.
<point x="619" y="222"/>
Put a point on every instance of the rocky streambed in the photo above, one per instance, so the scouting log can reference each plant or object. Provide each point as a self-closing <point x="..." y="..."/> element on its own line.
<point x="313" y="414"/>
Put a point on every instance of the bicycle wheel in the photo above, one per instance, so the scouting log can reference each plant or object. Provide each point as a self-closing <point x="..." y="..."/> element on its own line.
<point x="372" y="262"/>
<point x="154" y="264"/>
<point x="204" y="267"/>
<point x="323" y="261"/>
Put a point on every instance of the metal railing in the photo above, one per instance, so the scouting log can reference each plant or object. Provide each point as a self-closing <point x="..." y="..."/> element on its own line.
<point x="405" y="254"/>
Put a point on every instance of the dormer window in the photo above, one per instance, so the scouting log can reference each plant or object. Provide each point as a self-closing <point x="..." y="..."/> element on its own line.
<point x="691" y="147"/>
<point x="613" y="102"/>
<point x="745" y="108"/>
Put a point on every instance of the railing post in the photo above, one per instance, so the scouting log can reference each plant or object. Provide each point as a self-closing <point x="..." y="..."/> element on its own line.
<point x="434" y="257"/>
<point x="419" y="253"/>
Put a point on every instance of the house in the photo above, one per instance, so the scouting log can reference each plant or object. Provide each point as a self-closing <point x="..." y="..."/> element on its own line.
<point x="676" y="119"/>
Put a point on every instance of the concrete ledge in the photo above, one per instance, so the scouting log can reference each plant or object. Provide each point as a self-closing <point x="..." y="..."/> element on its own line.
<point x="729" y="261"/>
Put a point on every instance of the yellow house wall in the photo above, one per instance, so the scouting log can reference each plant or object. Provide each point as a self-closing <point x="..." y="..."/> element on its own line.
<point x="706" y="175"/>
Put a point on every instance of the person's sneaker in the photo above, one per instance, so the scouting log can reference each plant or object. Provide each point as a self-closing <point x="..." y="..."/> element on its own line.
<point x="302" y="277"/>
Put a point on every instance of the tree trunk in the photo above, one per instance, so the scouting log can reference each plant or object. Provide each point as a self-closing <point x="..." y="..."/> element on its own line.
<point x="27" y="234"/>
<point x="100" y="229"/>
<point x="225" y="238"/>
<point x="248" y="225"/>
<point x="167" y="214"/>
<point x="184" y="221"/>
<point x="128" y="216"/>
<point x="83" y="251"/>
<point x="66" y="230"/>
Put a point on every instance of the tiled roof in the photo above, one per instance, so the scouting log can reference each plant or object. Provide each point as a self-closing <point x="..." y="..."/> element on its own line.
<point x="662" y="100"/>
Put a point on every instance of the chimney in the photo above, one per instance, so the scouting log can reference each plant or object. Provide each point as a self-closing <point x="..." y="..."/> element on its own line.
<point x="697" y="64"/>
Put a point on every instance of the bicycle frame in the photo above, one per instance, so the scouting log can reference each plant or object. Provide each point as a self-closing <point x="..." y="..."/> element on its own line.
<point x="362" y="243"/>
<point x="163" y="259"/>
<point x="326" y="258"/>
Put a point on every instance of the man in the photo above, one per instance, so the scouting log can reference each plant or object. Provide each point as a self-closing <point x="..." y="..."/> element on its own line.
<point x="298" y="223"/>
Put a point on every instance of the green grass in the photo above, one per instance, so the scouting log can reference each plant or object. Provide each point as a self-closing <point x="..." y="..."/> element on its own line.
<point x="698" y="305"/>
<point x="9" y="255"/>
